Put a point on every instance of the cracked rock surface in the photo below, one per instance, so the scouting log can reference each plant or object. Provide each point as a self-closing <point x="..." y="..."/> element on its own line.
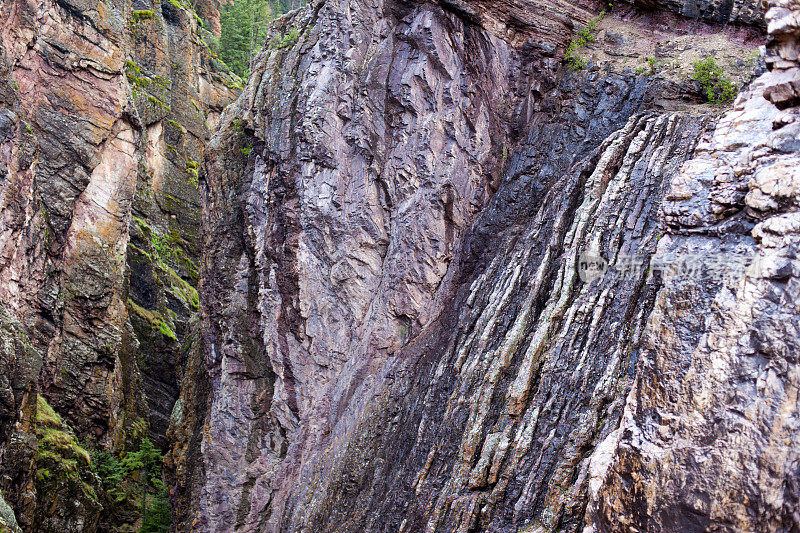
<point x="419" y="276"/>
<point x="397" y="329"/>
<point x="103" y="116"/>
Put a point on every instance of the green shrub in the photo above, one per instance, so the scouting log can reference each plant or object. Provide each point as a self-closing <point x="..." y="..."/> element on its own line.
<point x="715" y="84"/>
<point x="287" y="40"/>
<point x="586" y="35"/>
<point x="652" y="67"/>
<point x="574" y="60"/>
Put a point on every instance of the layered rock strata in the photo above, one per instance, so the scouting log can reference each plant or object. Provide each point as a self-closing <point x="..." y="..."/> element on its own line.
<point x="105" y="109"/>
<point x="708" y="436"/>
<point x="395" y="332"/>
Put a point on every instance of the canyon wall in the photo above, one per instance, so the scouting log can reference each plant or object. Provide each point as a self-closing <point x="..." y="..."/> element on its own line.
<point x="709" y="434"/>
<point x="106" y="109"/>
<point x="398" y="330"/>
<point x="426" y="275"/>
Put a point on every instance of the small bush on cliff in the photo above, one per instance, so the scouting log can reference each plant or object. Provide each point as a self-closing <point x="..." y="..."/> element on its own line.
<point x="715" y="84"/>
<point x="653" y="65"/>
<point x="586" y="35"/>
<point x="285" y="41"/>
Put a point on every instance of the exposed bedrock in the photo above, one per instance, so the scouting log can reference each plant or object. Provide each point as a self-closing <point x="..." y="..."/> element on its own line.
<point x="709" y="434"/>
<point x="446" y="282"/>
<point x="395" y="331"/>
<point x="105" y="109"/>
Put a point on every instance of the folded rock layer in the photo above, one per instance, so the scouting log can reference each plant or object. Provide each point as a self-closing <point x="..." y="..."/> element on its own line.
<point x="451" y="284"/>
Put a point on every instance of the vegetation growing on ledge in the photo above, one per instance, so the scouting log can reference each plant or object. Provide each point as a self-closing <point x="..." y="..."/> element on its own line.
<point x="166" y="250"/>
<point x="129" y="486"/>
<point x="177" y="125"/>
<point x="233" y="82"/>
<point x="183" y="290"/>
<point x="142" y="14"/>
<point x="586" y="35"/>
<point x="141" y="82"/>
<point x="153" y="318"/>
<point x="158" y="102"/>
<point x="60" y="459"/>
<point x="717" y="87"/>
<point x="193" y="169"/>
<point x="285" y="41"/>
<point x="135" y="76"/>
<point x="189" y="9"/>
<point x="653" y="65"/>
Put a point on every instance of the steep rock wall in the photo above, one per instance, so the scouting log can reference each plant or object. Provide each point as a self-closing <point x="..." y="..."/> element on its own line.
<point x="394" y="333"/>
<point x="708" y="437"/>
<point x="105" y="112"/>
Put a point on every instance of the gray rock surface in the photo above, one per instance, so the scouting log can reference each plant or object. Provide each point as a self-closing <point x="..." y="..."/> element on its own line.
<point x="708" y="436"/>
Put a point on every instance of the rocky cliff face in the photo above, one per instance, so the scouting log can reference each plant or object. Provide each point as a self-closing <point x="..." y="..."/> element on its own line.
<point x="446" y="282"/>
<point x="400" y="326"/>
<point x="105" y="109"/>
<point x="708" y="436"/>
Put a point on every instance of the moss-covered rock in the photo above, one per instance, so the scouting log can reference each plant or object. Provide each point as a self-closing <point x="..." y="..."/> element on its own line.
<point x="65" y="479"/>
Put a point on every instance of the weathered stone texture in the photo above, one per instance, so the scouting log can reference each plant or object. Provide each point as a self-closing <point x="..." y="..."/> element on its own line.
<point x="389" y="232"/>
<point x="708" y="437"/>
<point x="104" y="116"/>
<point x="394" y="335"/>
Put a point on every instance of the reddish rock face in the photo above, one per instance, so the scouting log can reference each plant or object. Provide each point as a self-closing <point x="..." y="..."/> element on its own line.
<point x="446" y="282"/>
<point x="396" y="335"/>
<point x="105" y="110"/>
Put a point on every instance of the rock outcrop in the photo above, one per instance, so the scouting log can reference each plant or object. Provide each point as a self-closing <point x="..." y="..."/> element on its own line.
<point x="708" y="438"/>
<point x="464" y="266"/>
<point x="105" y="109"/>
<point x="436" y="260"/>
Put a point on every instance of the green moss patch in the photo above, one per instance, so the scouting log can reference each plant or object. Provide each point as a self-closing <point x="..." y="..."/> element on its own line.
<point x="193" y="169"/>
<point x="153" y="318"/>
<point x="182" y="290"/>
<point x="141" y="15"/>
<point x="60" y="458"/>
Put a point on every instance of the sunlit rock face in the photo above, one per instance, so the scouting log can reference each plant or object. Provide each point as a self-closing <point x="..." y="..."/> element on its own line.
<point x="399" y="328"/>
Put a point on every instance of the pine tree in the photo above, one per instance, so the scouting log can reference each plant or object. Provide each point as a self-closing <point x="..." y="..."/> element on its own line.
<point x="244" y="30"/>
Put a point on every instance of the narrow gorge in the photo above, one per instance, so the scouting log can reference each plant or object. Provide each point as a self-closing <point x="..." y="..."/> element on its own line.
<point x="435" y="266"/>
